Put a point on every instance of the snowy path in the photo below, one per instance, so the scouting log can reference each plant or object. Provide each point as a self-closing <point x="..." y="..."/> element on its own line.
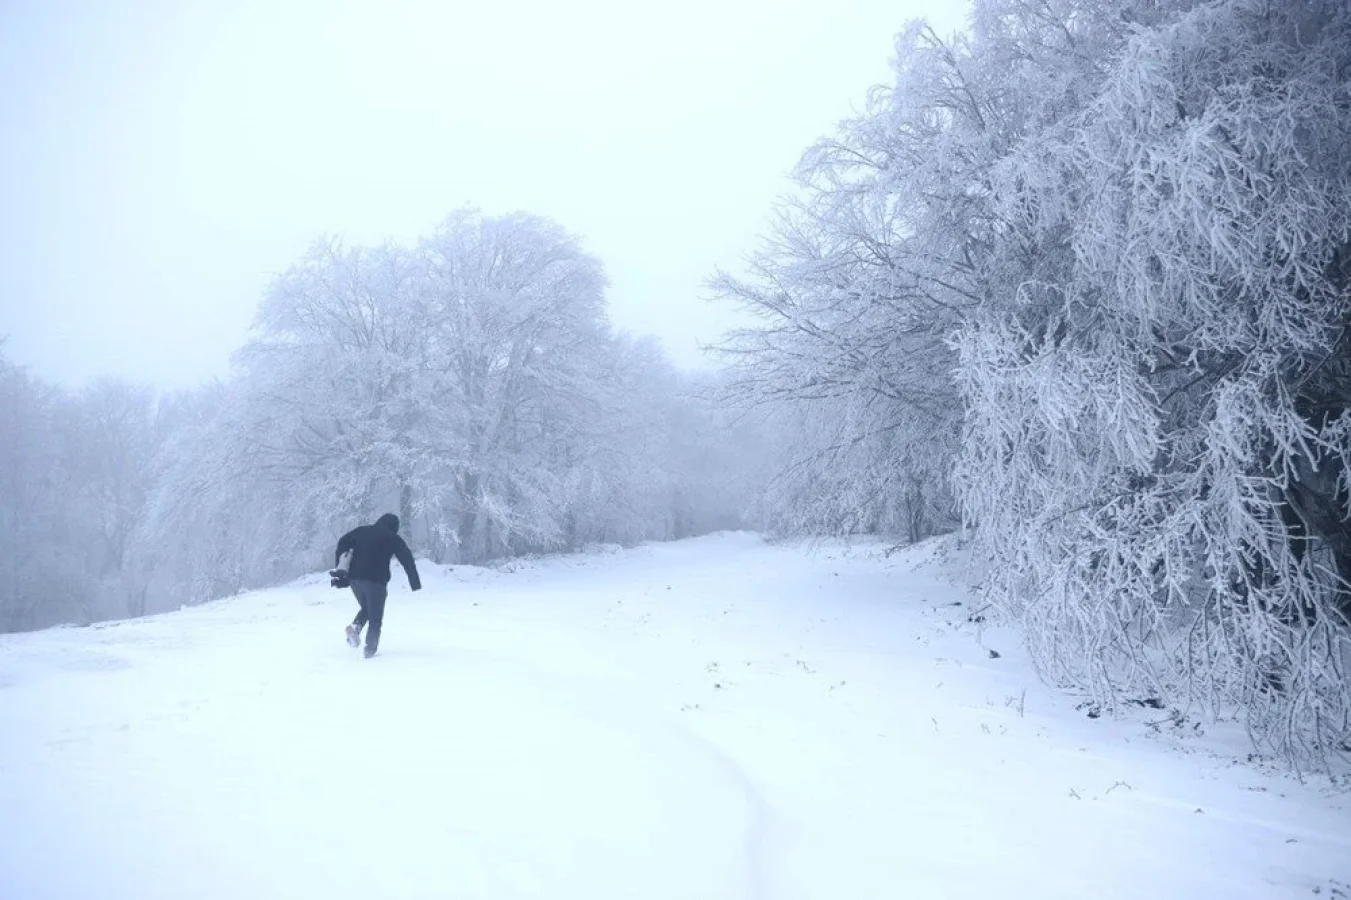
<point x="716" y="718"/>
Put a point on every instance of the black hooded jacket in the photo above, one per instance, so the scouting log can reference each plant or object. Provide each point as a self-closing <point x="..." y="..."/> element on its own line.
<point x="372" y="546"/>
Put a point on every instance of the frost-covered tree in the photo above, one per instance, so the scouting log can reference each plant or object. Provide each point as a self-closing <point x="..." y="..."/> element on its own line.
<point x="869" y="270"/>
<point x="28" y="526"/>
<point x="516" y="359"/>
<point x="74" y="471"/>
<point x="212" y="524"/>
<point x="109" y="435"/>
<point x="114" y="422"/>
<point x="1157" y="443"/>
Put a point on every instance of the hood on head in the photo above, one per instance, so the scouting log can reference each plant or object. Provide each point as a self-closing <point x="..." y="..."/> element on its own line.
<point x="390" y="521"/>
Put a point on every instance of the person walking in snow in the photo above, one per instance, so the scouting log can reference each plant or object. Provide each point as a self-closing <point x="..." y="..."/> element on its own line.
<point x="367" y="569"/>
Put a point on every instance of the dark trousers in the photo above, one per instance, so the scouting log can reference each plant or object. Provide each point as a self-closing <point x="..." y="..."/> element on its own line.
<point x="371" y="596"/>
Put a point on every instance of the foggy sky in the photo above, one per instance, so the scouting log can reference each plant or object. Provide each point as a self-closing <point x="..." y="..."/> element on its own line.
<point x="160" y="161"/>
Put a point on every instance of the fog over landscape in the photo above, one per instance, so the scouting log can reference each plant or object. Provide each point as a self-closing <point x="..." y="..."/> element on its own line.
<point x="906" y="425"/>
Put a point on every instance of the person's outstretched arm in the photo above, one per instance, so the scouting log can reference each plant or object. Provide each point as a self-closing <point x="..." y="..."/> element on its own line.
<point x="344" y="544"/>
<point x="406" y="560"/>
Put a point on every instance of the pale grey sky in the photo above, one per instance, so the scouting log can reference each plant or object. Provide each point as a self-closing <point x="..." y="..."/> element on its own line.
<point x="160" y="161"/>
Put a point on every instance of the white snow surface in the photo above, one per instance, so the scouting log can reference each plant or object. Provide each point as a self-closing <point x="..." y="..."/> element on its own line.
<point x="713" y="718"/>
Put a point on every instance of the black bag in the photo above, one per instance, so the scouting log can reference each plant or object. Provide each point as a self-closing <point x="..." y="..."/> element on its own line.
<point x="338" y="577"/>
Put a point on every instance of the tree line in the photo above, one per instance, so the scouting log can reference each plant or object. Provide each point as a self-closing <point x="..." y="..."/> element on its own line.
<point x="471" y="383"/>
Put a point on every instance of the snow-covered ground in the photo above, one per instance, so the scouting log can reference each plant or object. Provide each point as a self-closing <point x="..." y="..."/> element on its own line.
<point x="715" y="718"/>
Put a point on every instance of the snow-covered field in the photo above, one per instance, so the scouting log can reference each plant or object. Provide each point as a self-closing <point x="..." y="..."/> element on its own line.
<point x="715" y="718"/>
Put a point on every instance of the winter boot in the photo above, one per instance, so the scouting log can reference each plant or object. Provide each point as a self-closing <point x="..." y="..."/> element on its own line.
<point x="354" y="635"/>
